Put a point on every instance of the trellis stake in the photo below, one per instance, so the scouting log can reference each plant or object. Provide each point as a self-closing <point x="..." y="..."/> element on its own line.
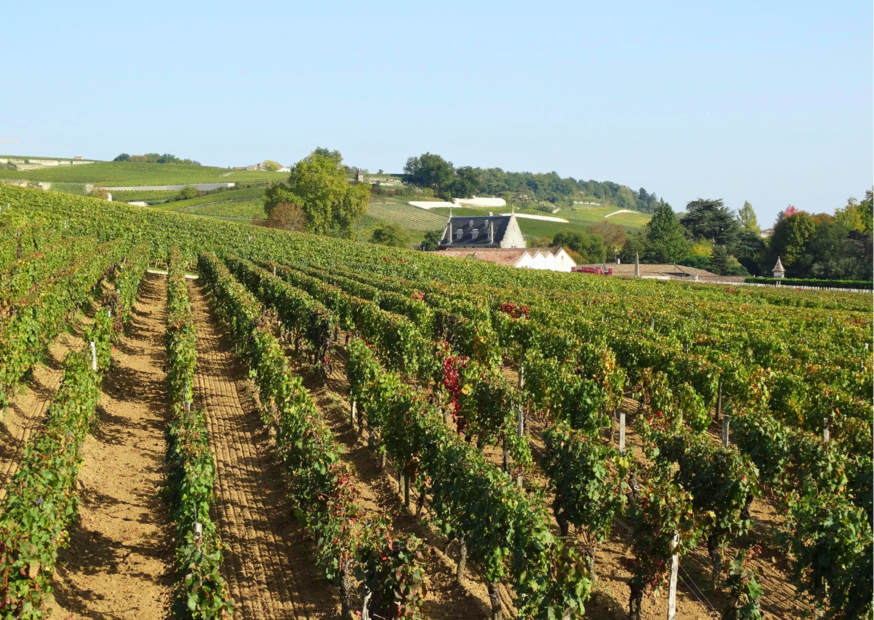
<point x="622" y="433"/>
<point x="672" y="593"/>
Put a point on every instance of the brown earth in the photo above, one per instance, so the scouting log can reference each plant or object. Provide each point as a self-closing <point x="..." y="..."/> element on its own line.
<point x="269" y="561"/>
<point x="118" y="563"/>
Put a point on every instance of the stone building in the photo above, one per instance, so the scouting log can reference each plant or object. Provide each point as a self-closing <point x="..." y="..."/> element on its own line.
<point x="491" y="231"/>
<point x="778" y="270"/>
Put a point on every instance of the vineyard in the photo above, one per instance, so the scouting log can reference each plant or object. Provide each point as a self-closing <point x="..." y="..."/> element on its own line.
<point x="205" y="419"/>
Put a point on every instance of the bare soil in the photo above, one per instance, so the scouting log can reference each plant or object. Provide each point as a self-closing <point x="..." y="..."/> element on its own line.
<point x="269" y="562"/>
<point x="118" y="563"/>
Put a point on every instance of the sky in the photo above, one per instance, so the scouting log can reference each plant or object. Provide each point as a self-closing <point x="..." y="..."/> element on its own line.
<point x="770" y="102"/>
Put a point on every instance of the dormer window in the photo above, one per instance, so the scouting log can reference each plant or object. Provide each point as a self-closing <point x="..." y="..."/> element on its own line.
<point x="474" y="233"/>
<point x="458" y="234"/>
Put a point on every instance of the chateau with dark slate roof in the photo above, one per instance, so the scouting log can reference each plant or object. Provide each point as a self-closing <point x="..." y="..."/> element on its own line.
<point x="492" y="231"/>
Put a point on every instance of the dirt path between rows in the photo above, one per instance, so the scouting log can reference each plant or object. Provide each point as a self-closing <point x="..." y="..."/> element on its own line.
<point x="269" y="561"/>
<point x="119" y="561"/>
<point x="28" y="408"/>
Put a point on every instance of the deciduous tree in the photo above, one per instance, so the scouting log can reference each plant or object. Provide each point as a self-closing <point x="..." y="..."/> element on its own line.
<point x="318" y="185"/>
<point x="789" y="242"/>
<point x="390" y="234"/>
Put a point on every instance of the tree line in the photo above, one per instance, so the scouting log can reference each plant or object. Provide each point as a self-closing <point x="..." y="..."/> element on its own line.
<point x="710" y="236"/>
<point x="318" y="198"/>
<point x="156" y="158"/>
<point x="525" y="189"/>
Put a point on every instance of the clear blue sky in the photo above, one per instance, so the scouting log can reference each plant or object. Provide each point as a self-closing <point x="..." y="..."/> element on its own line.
<point x="769" y="102"/>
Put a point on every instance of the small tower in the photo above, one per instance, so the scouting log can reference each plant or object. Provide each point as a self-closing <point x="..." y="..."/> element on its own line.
<point x="360" y="176"/>
<point x="778" y="270"/>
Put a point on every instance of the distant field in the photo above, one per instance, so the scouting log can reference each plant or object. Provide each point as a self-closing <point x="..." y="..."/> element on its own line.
<point x="249" y="194"/>
<point x="142" y="196"/>
<point x="69" y="188"/>
<point x="411" y="218"/>
<point x="141" y="173"/>
<point x="38" y="157"/>
<point x="239" y="211"/>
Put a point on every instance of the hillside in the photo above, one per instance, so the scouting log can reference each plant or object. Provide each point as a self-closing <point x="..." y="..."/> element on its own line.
<point x="416" y="221"/>
<point x="141" y="173"/>
<point x="291" y="382"/>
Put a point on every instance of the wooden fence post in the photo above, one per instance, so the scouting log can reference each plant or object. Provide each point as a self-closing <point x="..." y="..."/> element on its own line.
<point x="93" y="356"/>
<point x="521" y="416"/>
<point x="725" y="423"/>
<point x="622" y="433"/>
<point x="672" y="593"/>
<point x="719" y="397"/>
<point x="352" y="414"/>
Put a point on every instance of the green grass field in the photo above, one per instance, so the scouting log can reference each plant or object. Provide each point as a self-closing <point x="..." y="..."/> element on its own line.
<point x="141" y="173"/>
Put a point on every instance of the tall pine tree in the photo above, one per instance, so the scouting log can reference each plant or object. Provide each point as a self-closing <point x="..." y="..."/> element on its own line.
<point x="666" y="242"/>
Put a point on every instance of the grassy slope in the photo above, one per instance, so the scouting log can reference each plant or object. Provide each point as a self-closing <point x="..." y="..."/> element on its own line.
<point x="579" y="219"/>
<point x="138" y="173"/>
<point x="417" y="221"/>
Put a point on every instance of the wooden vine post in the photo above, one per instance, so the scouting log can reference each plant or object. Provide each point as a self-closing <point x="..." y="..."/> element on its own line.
<point x="622" y="433"/>
<point x="672" y="592"/>
<point x="719" y="397"/>
<point x="725" y="424"/>
<point x="93" y="356"/>
<point x="521" y="414"/>
<point x="825" y="430"/>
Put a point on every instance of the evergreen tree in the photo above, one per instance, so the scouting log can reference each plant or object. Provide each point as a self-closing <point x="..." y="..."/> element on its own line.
<point x="665" y="240"/>
<point x="748" y="219"/>
<point x="710" y="219"/>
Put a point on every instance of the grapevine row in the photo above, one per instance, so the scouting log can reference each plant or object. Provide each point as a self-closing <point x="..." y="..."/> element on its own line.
<point x="201" y="591"/>
<point x="320" y="485"/>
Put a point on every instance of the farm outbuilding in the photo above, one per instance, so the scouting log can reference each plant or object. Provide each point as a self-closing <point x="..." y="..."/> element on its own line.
<point x="551" y="259"/>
